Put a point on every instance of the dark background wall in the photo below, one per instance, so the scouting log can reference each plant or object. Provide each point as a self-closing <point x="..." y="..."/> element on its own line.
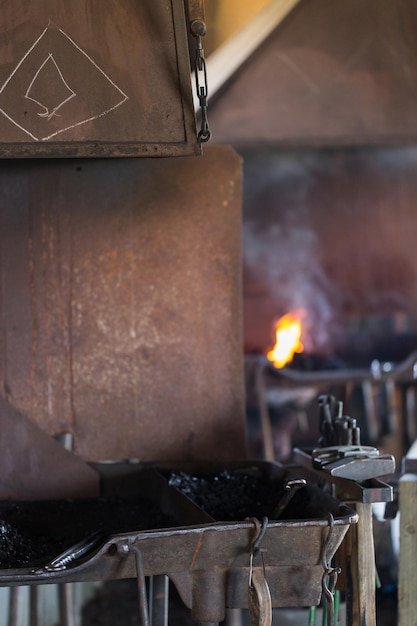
<point x="334" y="231"/>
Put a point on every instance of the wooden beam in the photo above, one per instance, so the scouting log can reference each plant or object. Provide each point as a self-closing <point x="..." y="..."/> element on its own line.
<point x="360" y="568"/>
<point x="407" y="581"/>
<point x="228" y="57"/>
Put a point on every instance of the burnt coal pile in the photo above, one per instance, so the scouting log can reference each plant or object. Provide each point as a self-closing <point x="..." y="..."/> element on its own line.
<point x="33" y="533"/>
<point x="15" y="547"/>
<point x="234" y="496"/>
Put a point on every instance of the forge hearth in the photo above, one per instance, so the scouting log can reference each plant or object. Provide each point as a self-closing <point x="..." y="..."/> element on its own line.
<point x="36" y="532"/>
<point x="180" y="535"/>
<point x="245" y="491"/>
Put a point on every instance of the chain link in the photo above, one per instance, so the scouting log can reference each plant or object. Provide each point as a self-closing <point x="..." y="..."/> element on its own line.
<point x="198" y="29"/>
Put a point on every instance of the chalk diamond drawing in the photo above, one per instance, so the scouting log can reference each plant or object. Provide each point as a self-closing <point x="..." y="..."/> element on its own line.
<point x="49" y="73"/>
<point x="63" y="88"/>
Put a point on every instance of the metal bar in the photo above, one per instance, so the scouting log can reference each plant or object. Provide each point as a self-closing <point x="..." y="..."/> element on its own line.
<point x="159" y="586"/>
<point x="371" y="418"/>
<point x="36" y="606"/>
<point x="410" y="413"/>
<point x="312" y="616"/>
<point x="267" y="438"/>
<point x="16" y="606"/>
<point x="196" y="10"/>
<point x="141" y="582"/>
<point x="405" y="371"/>
<point x="66" y="604"/>
<point x="234" y="617"/>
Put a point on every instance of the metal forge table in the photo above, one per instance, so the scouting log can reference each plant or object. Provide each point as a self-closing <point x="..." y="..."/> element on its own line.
<point x="121" y="298"/>
<point x="208" y="559"/>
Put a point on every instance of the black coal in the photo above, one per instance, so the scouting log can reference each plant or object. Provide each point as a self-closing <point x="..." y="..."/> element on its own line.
<point x="234" y="496"/>
<point x="33" y="533"/>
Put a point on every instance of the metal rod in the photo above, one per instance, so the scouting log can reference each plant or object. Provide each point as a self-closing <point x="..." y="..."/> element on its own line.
<point x="410" y="413"/>
<point x="16" y="605"/>
<point x="66" y="604"/>
<point x="196" y="10"/>
<point x="234" y="617"/>
<point x="141" y="582"/>
<point x="160" y="600"/>
<point x="312" y="616"/>
<point x="405" y="371"/>
<point x="291" y="488"/>
<point x="36" y="605"/>
<point x="267" y="438"/>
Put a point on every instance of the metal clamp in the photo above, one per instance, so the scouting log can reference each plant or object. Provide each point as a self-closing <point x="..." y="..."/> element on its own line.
<point x="354" y="462"/>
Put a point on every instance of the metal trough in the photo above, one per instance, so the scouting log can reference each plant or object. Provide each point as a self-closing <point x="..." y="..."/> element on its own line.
<point x="206" y="558"/>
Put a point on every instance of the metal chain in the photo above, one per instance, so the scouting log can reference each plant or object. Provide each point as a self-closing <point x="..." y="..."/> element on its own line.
<point x="198" y="29"/>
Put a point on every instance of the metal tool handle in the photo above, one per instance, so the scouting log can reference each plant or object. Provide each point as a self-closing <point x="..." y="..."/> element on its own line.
<point x="75" y="552"/>
<point x="196" y="10"/>
<point x="291" y="487"/>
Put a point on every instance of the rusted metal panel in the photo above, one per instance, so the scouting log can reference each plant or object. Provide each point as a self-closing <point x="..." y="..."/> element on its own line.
<point x="35" y="467"/>
<point x="121" y="303"/>
<point x="95" y="78"/>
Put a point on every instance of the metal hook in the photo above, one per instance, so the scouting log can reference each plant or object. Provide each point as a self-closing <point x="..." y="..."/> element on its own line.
<point x="330" y="573"/>
<point x="260" y="531"/>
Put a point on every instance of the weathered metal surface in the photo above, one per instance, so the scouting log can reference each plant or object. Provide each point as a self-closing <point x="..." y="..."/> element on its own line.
<point x="332" y="73"/>
<point x="196" y="10"/>
<point x="35" y="467"/>
<point x="121" y="303"/>
<point x="372" y="490"/>
<point x="95" y="79"/>
<point x="221" y="552"/>
<point x="209" y="562"/>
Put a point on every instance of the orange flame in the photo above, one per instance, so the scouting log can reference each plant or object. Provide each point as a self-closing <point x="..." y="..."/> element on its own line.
<point x="288" y="338"/>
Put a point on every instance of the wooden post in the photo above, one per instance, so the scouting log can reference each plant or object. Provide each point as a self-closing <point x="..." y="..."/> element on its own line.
<point x="360" y="569"/>
<point x="407" y="579"/>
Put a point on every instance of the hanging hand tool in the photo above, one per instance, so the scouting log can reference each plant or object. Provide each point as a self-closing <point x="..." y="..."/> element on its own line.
<point x="340" y="452"/>
<point x="259" y="595"/>
<point x="291" y="487"/>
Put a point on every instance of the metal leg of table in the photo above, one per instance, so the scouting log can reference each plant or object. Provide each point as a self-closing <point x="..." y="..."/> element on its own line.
<point x="159" y="600"/>
<point x="16" y="605"/>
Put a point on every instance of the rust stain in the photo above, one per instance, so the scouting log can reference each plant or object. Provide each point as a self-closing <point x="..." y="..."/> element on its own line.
<point x="197" y="550"/>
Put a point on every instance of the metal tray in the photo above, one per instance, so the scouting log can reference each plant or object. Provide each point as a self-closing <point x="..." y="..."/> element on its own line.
<point x="208" y="559"/>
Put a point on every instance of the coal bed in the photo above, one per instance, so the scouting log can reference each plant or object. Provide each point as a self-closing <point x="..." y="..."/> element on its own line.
<point x="235" y="495"/>
<point x="33" y="533"/>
